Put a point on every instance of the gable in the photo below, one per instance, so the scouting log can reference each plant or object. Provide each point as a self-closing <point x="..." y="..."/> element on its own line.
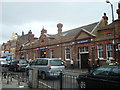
<point x="82" y="35"/>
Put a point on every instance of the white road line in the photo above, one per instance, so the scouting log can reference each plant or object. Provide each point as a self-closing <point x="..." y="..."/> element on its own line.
<point x="45" y="84"/>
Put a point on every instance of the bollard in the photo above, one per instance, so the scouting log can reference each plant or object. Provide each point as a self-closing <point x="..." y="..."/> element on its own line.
<point x="33" y="78"/>
<point x="11" y="77"/>
<point x="22" y="77"/>
<point x="7" y="78"/>
<point x="61" y="80"/>
<point x="18" y="79"/>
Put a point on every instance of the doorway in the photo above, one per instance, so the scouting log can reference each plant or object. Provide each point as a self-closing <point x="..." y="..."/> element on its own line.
<point x="84" y="58"/>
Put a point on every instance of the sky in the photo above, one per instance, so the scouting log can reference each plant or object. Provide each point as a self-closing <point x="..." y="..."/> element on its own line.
<point x="24" y="15"/>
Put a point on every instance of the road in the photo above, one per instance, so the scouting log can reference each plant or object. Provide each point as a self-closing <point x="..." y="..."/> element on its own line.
<point x="68" y="80"/>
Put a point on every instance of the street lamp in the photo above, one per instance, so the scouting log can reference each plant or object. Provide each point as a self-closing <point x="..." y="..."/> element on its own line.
<point x="114" y="29"/>
<point x="111" y="9"/>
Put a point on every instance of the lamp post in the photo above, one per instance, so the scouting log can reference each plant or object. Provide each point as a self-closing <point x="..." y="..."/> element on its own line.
<point x="114" y="29"/>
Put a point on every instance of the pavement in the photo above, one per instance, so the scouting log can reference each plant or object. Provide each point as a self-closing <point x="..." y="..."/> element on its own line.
<point x="5" y="85"/>
<point x="76" y="70"/>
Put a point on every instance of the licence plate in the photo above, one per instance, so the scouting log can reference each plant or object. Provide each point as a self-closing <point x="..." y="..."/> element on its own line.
<point x="58" y="71"/>
<point x="23" y="67"/>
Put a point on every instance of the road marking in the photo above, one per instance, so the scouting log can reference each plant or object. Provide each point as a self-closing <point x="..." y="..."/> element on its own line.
<point x="45" y="84"/>
<point x="73" y="77"/>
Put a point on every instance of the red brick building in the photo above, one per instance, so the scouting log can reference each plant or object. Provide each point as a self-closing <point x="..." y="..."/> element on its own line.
<point x="91" y="42"/>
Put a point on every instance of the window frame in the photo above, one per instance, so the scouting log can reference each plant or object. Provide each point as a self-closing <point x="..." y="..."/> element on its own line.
<point x="67" y="54"/>
<point x="109" y="50"/>
<point x="100" y="50"/>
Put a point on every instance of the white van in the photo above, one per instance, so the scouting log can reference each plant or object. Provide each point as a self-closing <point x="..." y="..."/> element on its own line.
<point x="48" y="67"/>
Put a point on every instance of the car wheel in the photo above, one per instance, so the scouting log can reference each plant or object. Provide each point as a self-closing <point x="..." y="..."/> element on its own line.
<point x="82" y="84"/>
<point x="43" y="75"/>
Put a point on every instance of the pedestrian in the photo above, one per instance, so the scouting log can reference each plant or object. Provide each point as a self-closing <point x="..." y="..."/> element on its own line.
<point x="98" y="62"/>
<point x="88" y="65"/>
<point x="108" y="61"/>
<point x="72" y="63"/>
<point x="93" y="66"/>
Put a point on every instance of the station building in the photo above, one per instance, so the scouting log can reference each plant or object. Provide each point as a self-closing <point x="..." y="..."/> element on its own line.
<point x="89" y="42"/>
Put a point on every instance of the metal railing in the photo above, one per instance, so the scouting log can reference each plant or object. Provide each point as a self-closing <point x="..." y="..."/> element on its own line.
<point x="64" y="81"/>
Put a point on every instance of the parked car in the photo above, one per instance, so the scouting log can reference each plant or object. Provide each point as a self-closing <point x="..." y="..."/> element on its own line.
<point x="48" y="67"/>
<point x="118" y="62"/>
<point x="3" y="62"/>
<point x="102" y="77"/>
<point x="18" y="65"/>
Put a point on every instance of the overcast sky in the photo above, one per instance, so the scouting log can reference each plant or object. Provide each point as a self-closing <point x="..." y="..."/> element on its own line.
<point x="34" y="14"/>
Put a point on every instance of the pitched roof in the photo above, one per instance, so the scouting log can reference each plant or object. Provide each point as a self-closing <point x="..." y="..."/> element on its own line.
<point x="23" y="39"/>
<point x="71" y="34"/>
<point x="110" y="26"/>
<point x="75" y="31"/>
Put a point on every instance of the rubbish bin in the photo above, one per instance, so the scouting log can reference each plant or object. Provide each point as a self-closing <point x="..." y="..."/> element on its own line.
<point x="33" y="78"/>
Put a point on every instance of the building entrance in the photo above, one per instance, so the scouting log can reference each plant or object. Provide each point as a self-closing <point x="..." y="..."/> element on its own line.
<point x="84" y="58"/>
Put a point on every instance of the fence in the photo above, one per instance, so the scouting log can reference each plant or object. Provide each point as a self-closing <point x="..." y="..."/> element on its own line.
<point x="64" y="81"/>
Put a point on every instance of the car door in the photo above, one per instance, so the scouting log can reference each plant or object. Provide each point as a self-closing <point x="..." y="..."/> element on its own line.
<point x="98" y="78"/>
<point x="114" y="77"/>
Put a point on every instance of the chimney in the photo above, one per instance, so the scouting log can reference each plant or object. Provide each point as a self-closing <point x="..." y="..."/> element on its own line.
<point x="43" y="31"/>
<point x="22" y="33"/>
<point x="105" y="19"/>
<point x="59" y="26"/>
<point x="30" y="32"/>
<point x="118" y="10"/>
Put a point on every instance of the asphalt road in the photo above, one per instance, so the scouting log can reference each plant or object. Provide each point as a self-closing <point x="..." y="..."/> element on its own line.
<point x="68" y="80"/>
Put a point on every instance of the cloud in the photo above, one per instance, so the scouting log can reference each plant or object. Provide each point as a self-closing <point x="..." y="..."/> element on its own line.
<point x="24" y="16"/>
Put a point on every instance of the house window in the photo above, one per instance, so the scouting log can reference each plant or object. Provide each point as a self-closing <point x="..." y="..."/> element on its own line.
<point x="109" y="34"/>
<point x="67" y="53"/>
<point x="52" y="53"/>
<point x="100" y="51"/>
<point x="109" y="50"/>
<point x="84" y="49"/>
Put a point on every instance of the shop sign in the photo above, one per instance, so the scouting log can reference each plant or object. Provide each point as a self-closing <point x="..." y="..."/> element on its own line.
<point x="43" y="48"/>
<point x="6" y="52"/>
<point x="36" y="49"/>
<point x="83" y="41"/>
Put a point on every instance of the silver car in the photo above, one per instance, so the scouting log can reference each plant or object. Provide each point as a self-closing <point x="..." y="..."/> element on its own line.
<point x="48" y="67"/>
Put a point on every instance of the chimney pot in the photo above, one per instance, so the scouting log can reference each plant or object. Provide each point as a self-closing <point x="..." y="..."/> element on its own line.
<point x="59" y="25"/>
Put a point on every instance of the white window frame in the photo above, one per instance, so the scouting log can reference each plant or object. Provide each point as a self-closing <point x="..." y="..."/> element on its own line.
<point x="52" y="55"/>
<point x="109" y="49"/>
<point x="67" y="53"/>
<point x="84" y="49"/>
<point x="100" y="50"/>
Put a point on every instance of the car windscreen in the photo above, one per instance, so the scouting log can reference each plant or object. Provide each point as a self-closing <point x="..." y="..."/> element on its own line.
<point x="23" y="62"/>
<point x="55" y="63"/>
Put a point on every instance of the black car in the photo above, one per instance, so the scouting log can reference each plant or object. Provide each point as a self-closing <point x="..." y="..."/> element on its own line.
<point x="18" y="65"/>
<point x="102" y="77"/>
